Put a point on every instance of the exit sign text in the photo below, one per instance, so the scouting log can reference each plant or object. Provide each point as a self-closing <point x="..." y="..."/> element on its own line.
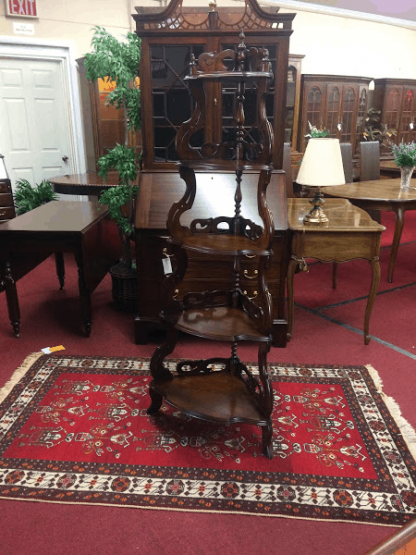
<point x="22" y="8"/>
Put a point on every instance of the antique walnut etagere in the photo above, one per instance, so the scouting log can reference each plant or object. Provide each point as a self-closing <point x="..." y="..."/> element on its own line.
<point x="221" y="389"/>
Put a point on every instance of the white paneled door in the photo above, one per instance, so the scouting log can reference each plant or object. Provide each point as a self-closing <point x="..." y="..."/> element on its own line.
<point x="35" y="136"/>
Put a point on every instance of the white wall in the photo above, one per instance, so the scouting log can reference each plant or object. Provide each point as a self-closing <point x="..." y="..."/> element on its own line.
<point x="74" y="20"/>
<point x="342" y="46"/>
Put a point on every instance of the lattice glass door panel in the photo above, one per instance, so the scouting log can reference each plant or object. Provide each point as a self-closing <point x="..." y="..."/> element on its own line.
<point x="332" y="111"/>
<point x="392" y="109"/>
<point x="408" y="124"/>
<point x="361" y="115"/>
<point x="348" y="102"/>
<point x="290" y="103"/>
<point x="314" y="107"/>
<point x="172" y="102"/>
<point x="229" y="99"/>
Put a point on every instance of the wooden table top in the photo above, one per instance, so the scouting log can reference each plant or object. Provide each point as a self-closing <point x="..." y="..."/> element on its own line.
<point x="215" y="197"/>
<point x="86" y="179"/>
<point x="59" y="216"/>
<point x="389" y="165"/>
<point x="342" y="215"/>
<point x="378" y="189"/>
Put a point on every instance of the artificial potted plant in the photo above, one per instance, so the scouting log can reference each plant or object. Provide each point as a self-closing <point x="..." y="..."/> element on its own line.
<point x="27" y="197"/>
<point x="405" y="158"/>
<point x="118" y="61"/>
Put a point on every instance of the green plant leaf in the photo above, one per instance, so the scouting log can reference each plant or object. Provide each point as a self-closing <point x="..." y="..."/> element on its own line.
<point x="27" y="197"/>
<point x="118" y="61"/>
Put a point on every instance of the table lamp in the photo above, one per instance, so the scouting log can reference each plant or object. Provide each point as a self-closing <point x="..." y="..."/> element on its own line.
<point x="321" y="167"/>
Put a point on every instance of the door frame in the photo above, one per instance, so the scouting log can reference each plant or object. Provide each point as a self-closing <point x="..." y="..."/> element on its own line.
<point x="64" y="53"/>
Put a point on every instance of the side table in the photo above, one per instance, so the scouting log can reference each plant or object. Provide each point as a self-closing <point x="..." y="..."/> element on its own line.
<point x="82" y="228"/>
<point x="349" y="234"/>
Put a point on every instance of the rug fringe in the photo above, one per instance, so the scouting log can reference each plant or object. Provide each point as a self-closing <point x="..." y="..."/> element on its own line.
<point x="19" y="374"/>
<point x="406" y="429"/>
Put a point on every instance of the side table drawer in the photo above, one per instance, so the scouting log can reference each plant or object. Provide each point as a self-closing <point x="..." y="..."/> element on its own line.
<point x="338" y="247"/>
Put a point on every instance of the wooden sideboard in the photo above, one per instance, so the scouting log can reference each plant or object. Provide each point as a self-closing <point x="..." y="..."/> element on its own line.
<point x="158" y="191"/>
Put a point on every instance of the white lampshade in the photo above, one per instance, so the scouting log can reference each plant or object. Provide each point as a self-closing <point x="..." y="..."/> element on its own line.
<point x="322" y="164"/>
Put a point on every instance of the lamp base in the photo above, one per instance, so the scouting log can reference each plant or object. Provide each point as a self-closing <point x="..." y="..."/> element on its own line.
<point x="316" y="215"/>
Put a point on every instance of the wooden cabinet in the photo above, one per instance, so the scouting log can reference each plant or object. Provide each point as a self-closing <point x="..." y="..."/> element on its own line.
<point x="337" y="103"/>
<point x="396" y="99"/>
<point x="169" y="41"/>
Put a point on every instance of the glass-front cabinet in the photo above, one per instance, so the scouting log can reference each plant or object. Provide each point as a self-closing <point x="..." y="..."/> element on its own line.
<point x="396" y="99"/>
<point x="335" y="103"/>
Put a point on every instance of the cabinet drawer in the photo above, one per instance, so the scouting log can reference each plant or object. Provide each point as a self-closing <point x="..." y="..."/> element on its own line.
<point x="5" y="188"/>
<point x="7" y="212"/>
<point x="6" y="199"/>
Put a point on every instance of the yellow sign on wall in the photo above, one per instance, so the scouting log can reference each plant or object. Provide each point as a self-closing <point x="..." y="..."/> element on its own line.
<point x="107" y="86"/>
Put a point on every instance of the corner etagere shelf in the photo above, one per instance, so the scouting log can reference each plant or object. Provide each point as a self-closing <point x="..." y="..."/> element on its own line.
<point x="221" y="389"/>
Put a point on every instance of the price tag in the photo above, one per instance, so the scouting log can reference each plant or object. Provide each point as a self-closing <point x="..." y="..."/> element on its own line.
<point x="167" y="266"/>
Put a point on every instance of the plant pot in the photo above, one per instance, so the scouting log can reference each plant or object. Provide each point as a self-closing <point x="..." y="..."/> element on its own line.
<point x="124" y="287"/>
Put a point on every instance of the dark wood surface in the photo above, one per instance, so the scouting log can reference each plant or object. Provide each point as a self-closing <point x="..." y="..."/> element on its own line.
<point x="81" y="228"/>
<point x="349" y="234"/>
<point x="389" y="168"/>
<point x="216" y="397"/>
<point x="88" y="183"/>
<point x="157" y="193"/>
<point x="380" y="194"/>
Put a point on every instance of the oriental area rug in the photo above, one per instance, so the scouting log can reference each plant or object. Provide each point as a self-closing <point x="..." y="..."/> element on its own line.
<point x="74" y="429"/>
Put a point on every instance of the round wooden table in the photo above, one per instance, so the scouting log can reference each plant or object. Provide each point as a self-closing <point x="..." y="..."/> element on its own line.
<point x="380" y="194"/>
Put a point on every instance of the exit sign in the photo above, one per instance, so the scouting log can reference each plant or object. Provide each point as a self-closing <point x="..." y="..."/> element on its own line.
<point x="22" y="8"/>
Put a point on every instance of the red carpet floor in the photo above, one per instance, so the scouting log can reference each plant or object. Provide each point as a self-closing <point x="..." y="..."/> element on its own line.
<point x="51" y="317"/>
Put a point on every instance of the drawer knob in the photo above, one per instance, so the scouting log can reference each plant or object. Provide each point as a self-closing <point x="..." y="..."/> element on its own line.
<point x="251" y="298"/>
<point x="251" y="277"/>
